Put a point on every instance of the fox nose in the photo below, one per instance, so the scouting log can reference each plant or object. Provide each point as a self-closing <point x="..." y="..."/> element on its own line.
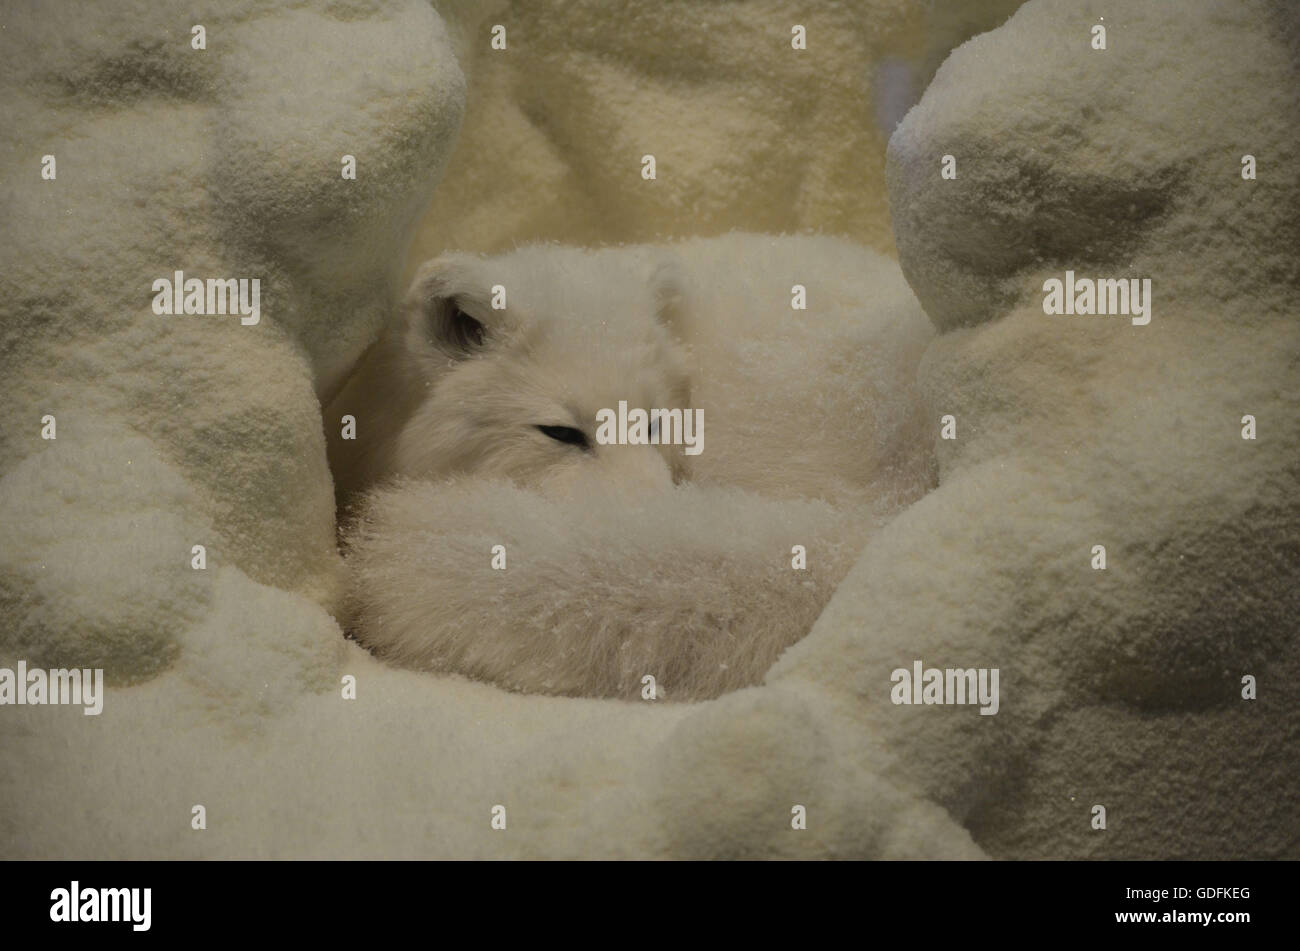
<point x="618" y="469"/>
<point x="640" y="468"/>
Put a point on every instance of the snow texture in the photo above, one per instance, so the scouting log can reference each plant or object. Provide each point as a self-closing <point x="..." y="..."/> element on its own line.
<point x="748" y="133"/>
<point x="1119" y="687"/>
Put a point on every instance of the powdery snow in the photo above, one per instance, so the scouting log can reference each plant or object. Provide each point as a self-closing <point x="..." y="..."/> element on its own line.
<point x="1118" y="687"/>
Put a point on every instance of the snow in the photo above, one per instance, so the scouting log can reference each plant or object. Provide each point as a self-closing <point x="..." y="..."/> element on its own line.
<point x="1118" y="687"/>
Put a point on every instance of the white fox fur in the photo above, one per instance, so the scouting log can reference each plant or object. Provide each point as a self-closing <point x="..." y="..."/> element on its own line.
<point x="692" y="586"/>
<point x="613" y="571"/>
<point x="578" y="331"/>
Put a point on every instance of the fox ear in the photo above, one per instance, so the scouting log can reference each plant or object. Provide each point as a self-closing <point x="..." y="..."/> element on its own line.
<point x="667" y="279"/>
<point x="445" y="309"/>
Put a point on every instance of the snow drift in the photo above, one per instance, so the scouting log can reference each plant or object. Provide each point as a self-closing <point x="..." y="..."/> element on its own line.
<point x="1120" y="687"/>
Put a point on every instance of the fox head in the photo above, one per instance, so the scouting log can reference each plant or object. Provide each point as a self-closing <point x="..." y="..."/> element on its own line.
<point x="516" y="354"/>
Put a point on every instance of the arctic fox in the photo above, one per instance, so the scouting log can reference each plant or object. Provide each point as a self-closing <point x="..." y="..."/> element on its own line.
<point x="500" y="366"/>
<point x="496" y="536"/>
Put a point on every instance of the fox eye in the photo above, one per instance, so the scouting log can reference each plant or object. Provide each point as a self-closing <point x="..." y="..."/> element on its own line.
<point x="567" y="434"/>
